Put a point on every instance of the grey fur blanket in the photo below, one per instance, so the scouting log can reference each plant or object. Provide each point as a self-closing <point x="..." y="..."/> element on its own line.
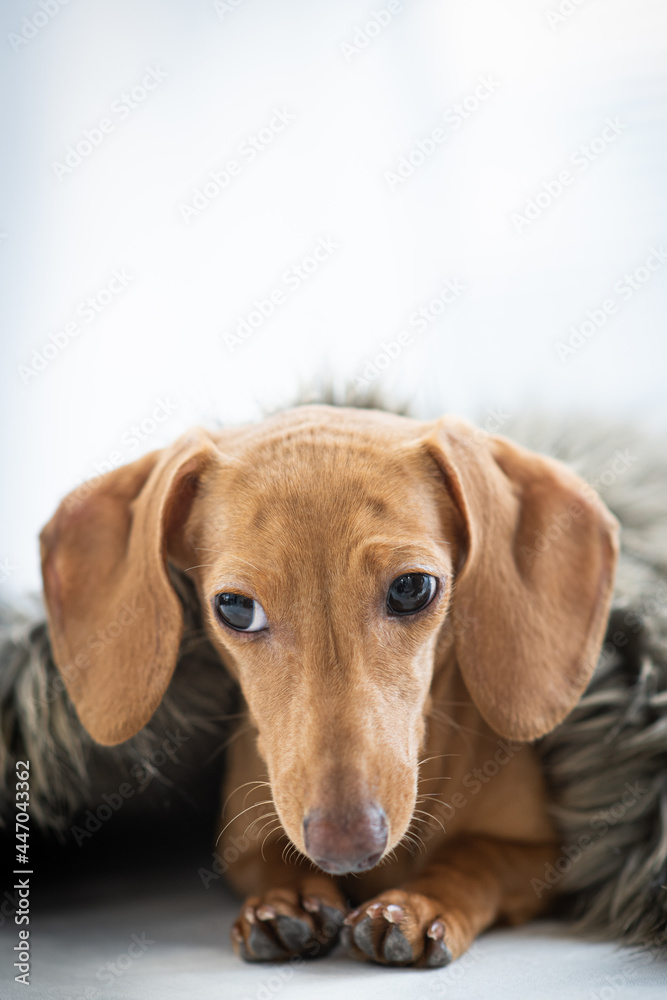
<point x="606" y="765"/>
<point x="607" y="762"/>
<point x="69" y="772"/>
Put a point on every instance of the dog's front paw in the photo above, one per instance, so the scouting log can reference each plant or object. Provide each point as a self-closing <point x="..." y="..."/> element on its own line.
<point x="283" y="923"/>
<point x="399" y="928"/>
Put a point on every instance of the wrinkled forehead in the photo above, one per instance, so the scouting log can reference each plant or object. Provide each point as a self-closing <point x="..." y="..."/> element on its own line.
<point x="324" y="477"/>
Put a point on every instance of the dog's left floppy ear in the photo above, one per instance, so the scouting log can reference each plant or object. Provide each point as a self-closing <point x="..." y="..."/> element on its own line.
<point x="115" y="621"/>
<point x="532" y="596"/>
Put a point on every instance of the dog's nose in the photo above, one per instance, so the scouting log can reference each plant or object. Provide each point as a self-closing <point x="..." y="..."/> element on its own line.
<point x="352" y="843"/>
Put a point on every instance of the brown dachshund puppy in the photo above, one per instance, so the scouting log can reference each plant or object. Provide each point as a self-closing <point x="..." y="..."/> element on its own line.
<point x="405" y="606"/>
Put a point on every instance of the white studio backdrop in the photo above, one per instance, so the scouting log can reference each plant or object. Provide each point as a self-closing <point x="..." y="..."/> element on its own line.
<point x="204" y="204"/>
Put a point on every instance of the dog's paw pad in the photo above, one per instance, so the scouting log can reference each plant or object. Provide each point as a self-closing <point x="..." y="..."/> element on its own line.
<point x="396" y="949"/>
<point x="399" y="930"/>
<point x="362" y="934"/>
<point x="332" y="919"/>
<point x="283" y="925"/>
<point x="261" y="947"/>
<point x="294" y="933"/>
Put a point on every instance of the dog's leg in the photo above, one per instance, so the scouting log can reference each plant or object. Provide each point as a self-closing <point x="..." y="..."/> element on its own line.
<point x="290" y="908"/>
<point x="434" y="918"/>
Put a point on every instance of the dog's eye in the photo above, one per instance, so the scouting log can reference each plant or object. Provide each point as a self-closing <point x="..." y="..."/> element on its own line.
<point x="240" y="612"/>
<point x="410" y="593"/>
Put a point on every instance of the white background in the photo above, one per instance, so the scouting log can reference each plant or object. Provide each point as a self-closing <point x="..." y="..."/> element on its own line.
<point x="356" y="112"/>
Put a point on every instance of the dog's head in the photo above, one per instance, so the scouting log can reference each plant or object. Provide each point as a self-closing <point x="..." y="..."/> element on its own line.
<point x="341" y="556"/>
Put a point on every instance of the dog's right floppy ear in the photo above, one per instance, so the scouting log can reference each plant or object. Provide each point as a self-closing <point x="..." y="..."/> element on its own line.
<point x="536" y="583"/>
<point x="115" y="622"/>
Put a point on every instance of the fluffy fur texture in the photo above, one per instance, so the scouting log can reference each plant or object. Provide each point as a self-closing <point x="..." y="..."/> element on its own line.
<point x="605" y="765"/>
<point x="68" y="770"/>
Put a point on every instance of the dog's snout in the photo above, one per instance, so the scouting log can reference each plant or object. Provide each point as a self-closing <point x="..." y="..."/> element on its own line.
<point x="353" y="842"/>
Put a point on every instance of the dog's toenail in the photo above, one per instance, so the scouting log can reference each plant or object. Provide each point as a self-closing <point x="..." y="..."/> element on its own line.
<point x="311" y="904"/>
<point x="236" y="935"/>
<point x="249" y="914"/>
<point x="266" y="913"/>
<point x="351" y="917"/>
<point x="374" y="910"/>
<point x="393" y="913"/>
<point x="436" y="930"/>
<point x="396" y="948"/>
